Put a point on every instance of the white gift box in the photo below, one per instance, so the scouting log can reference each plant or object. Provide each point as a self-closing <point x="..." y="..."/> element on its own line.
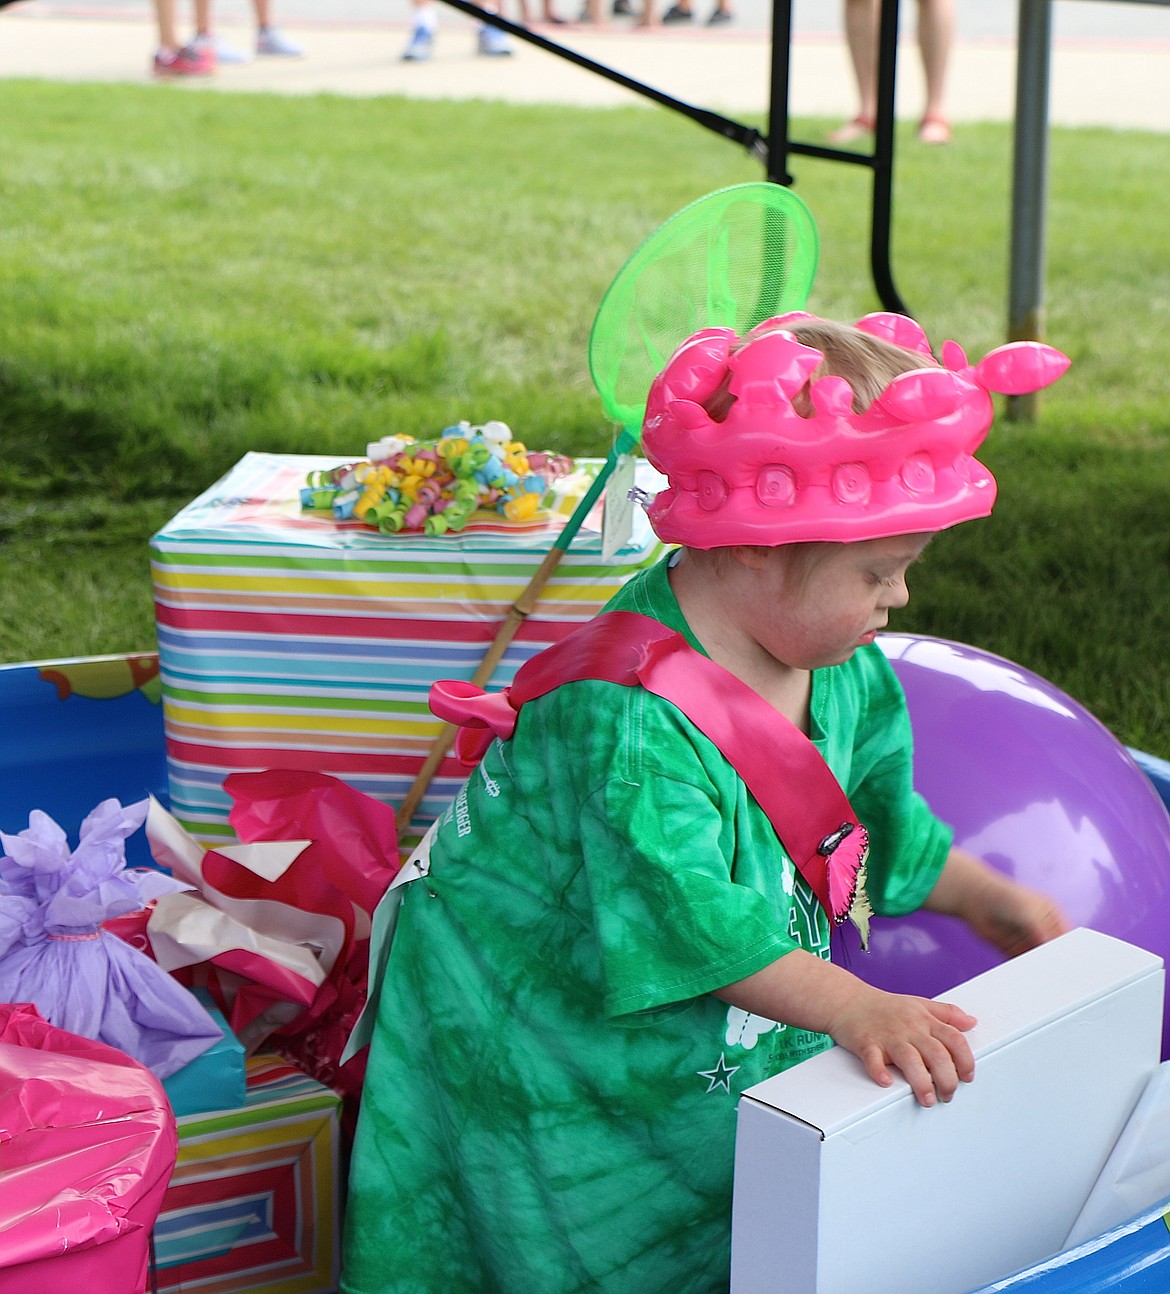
<point x="843" y="1186"/>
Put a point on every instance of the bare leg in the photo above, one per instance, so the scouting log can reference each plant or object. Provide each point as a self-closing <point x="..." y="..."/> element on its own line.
<point x="936" y="34"/>
<point x="174" y="58"/>
<point x="168" y="36"/>
<point x="860" y="21"/>
<point x="263" y="9"/>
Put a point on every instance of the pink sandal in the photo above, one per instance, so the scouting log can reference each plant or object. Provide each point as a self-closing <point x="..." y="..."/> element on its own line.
<point x="934" y="130"/>
<point x="853" y="130"/>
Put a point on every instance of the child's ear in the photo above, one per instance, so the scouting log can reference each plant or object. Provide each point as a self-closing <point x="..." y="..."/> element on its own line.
<point x="752" y="556"/>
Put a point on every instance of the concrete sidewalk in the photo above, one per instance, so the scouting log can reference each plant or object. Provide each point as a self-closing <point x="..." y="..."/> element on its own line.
<point x="1122" y="83"/>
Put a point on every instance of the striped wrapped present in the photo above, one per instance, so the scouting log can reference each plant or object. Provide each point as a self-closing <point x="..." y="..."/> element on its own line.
<point x="289" y="640"/>
<point x="254" y="1202"/>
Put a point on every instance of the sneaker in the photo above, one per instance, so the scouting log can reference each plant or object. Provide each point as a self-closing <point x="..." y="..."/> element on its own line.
<point x="223" y="51"/>
<point x="675" y="14"/>
<point x="421" y="46"/>
<point x="187" y="61"/>
<point x="494" y="43"/>
<point x="719" y="17"/>
<point x="273" y="42"/>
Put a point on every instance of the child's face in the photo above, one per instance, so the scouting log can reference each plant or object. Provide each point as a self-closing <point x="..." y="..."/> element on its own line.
<point x="817" y="611"/>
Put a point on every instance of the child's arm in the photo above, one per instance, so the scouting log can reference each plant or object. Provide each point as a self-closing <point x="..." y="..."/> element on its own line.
<point x="1011" y="917"/>
<point x="922" y="1038"/>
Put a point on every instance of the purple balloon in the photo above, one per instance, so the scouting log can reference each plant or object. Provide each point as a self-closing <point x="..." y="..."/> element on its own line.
<point x="1034" y="784"/>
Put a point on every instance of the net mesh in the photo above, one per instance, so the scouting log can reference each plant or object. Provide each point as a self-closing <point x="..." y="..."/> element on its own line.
<point x="731" y="259"/>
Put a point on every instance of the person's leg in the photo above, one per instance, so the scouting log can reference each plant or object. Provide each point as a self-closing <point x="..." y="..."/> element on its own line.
<point x="491" y="41"/>
<point x="173" y="58"/>
<point x="270" y="39"/>
<point x="209" y="41"/>
<point x="860" y="22"/>
<point x="936" y="34"/>
<point x="168" y="34"/>
<point x="422" y="35"/>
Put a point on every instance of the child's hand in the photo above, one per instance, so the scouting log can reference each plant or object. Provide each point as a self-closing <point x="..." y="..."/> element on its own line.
<point x="1015" y="918"/>
<point x="1011" y="917"/>
<point x="921" y="1038"/>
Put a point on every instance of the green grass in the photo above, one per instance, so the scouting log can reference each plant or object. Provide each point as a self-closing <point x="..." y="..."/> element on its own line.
<point x="191" y="276"/>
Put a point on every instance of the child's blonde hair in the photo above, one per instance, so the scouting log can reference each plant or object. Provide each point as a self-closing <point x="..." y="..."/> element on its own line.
<point x="867" y="363"/>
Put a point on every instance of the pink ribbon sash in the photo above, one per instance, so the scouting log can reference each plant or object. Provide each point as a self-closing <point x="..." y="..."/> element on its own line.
<point x="780" y="766"/>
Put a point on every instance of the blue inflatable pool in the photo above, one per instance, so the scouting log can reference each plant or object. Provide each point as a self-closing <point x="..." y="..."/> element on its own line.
<point x="81" y="730"/>
<point x="77" y="732"/>
<point x="1133" y="1258"/>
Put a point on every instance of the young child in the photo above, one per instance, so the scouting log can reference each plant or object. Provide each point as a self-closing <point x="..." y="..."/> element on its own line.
<point x="607" y="941"/>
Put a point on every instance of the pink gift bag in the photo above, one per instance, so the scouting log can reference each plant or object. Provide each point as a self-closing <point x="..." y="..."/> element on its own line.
<point x="88" y="1145"/>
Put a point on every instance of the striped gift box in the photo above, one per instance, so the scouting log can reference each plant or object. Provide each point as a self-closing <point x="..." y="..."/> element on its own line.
<point x="254" y="1202"/>
<point x="287" y="640"/>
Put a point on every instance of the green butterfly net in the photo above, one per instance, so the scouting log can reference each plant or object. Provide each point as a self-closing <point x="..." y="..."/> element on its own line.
<point x="731" y="259"/>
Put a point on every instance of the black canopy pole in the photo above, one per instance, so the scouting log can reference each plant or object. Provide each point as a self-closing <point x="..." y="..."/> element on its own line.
<point x="880" y="161"/>
<point x="748" y="136"/>
<point x="881" y="221"/>
<point x="778" y="126"/>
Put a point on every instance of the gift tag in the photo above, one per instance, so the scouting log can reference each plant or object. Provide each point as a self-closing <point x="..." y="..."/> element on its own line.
<point x="617" y="523"/>
<point x="382" y="936"/>
<point x="419" y="862"/>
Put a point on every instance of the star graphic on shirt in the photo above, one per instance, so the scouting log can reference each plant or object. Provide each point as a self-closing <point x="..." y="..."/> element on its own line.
<point x="720" y="1076"/>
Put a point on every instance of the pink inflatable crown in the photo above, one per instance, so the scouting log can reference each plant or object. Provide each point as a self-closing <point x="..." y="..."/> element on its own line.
<point x="766" y="474"/>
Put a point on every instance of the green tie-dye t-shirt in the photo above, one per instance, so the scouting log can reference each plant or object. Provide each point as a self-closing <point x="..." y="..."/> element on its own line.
<point x="550" y="1099"/>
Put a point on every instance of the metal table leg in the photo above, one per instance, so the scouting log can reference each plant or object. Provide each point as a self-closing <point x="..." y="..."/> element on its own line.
<point x="1026" y="320"/>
